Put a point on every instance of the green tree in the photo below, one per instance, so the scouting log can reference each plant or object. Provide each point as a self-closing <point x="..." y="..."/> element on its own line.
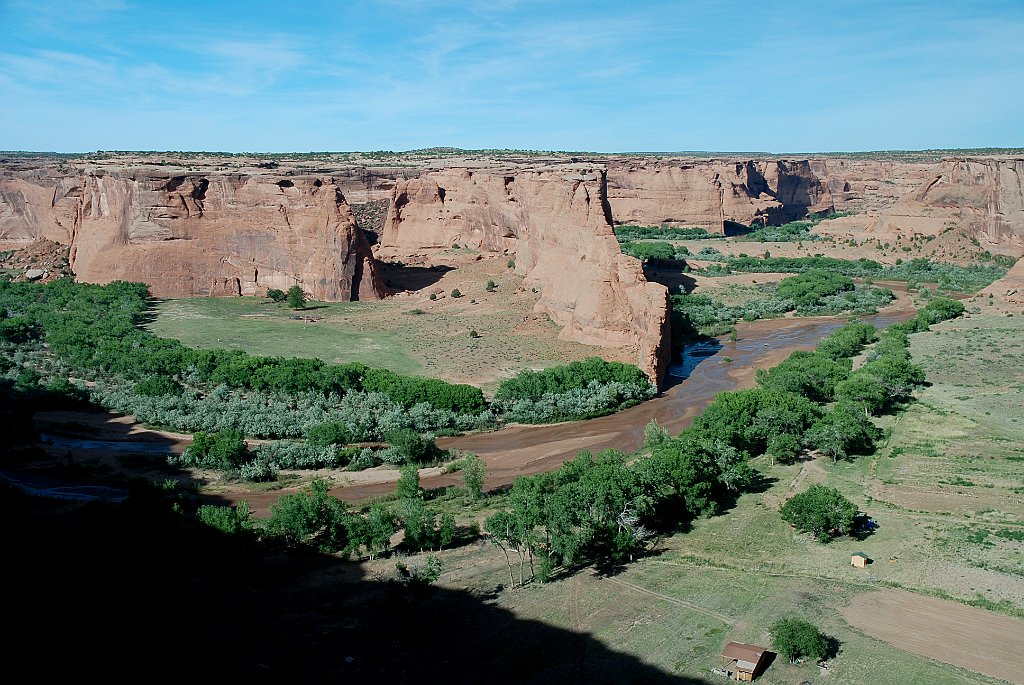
<point x="373" y="531"/>
<point x="412" y="447"/>
<point x="224" y="449"/>
<point x="649" y="250"/>
<point x="408" y="483"/>
<point x="277" y="295"/>
<point x="942" y="309"/>
<point x="490" y="285"/>
<point x="329" y="433"/>
<point x="842" y="431"/>
<point x="864" y="390"/>
<point x="446" y="531"/>
<point x="899" y="376"/>
<point x="655" y="435"/>
<point x="417" y="523"/>
<point x="311" y="517"/>
<point x="456" y="293"/>
<point x="820" y="510"/>
<point x="474" y="475"/>
<point x="810" y="374"/>
<point x="794" y="638"/>
<point x="296" y="297"/>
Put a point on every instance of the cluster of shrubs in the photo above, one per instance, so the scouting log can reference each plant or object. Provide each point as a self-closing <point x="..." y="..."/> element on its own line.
<point x="579" y="390"/>
<point x="950" y="277"/>
<point x="627" y="233"/>
<point x="654" y="250"/>
<point x="814" y="292"/>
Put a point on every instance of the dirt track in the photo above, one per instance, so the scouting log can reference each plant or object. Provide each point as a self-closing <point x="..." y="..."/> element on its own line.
<point x="964" y="636"/>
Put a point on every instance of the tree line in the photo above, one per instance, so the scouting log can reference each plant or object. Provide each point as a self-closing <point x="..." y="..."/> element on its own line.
<point x="51" y="331"/>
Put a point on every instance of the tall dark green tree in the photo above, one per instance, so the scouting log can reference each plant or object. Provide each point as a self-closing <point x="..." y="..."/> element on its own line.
<point x="296" y="297"/>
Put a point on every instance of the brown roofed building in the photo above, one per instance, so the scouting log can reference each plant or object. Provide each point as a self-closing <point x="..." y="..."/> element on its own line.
<point x="742" y="661"/>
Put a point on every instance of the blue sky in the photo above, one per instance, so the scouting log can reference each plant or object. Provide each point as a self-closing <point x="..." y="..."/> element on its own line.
<point x="563" y="75"/>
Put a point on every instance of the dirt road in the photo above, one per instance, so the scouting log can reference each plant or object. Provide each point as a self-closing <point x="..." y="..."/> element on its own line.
<point x="964" y="636"/>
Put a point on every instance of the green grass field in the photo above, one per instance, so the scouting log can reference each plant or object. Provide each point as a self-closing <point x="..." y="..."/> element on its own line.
<point x="263" y="328"/>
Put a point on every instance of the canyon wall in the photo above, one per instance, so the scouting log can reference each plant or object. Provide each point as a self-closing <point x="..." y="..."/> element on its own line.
<point x="984" y="195"/>
<point x="708" y="193"/>
<point x="220" y="225"/>
<point x="556" y="222"/>
<point x="979" y="198"/>
<point x="196" y="234"/>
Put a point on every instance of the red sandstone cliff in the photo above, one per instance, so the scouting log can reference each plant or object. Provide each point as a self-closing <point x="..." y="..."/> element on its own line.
<point x="985" y="195"/>
<point x="556" y="223"/>
<point x="707" y="193"/>
<point x="191" y="234"/>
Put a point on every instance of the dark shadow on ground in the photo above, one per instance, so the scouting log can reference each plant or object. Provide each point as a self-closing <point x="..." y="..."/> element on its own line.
<point x="398" y="276"/>
<point x="131" y="583"/>
<point x="760" y="483"/>
<point x="670" y="275"/>
<point x="55" y="444"/>
<point x="140" y="587"/>
<point x="735" y="228"/>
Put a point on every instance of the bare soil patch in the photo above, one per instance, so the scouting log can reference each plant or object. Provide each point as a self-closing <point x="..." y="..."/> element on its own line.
<point x="964" y="636"/>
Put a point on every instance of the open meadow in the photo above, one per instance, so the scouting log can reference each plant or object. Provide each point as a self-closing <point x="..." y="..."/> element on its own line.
<point x="409" y="333"/>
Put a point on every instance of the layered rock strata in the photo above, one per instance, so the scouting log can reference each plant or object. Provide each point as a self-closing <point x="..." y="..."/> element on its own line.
<point x="197" y="235"/>
<point x="709" y="193"/>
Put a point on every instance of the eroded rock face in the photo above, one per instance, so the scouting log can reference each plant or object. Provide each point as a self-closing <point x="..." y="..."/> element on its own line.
<point x="985" y="194"/>
<point x="708" y="193"/>
<point x="556" y="222"/>
<point x="197" y="235"/>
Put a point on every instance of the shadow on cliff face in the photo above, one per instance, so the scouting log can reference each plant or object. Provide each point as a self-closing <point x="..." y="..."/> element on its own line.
<point x="398" y="276"/>
<point x="670" y="275"/>
<point x="138" y="588"/>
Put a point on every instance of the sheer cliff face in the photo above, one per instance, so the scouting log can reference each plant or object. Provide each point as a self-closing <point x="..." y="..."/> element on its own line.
<point x="556" y="223"/>
<point x="985" y="194"/>
<point x="982" y="198"/>
<point x="197" y="235"/>
<point x="709" y="193"/>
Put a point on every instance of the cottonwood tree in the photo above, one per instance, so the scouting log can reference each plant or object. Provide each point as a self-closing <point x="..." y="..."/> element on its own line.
<point x="840" y="432"/>
<point x="474" y="475"/>
<point x="820" y="510"/>
<point x="794" y="638"/>
<point x="373" y="531"/>
<point x="311" y="517"/>
<point x="505" y="533"/>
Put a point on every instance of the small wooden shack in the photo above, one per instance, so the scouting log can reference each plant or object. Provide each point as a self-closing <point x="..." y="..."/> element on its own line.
<point x="742" y="662"/>
<point x="860" y="560"/>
